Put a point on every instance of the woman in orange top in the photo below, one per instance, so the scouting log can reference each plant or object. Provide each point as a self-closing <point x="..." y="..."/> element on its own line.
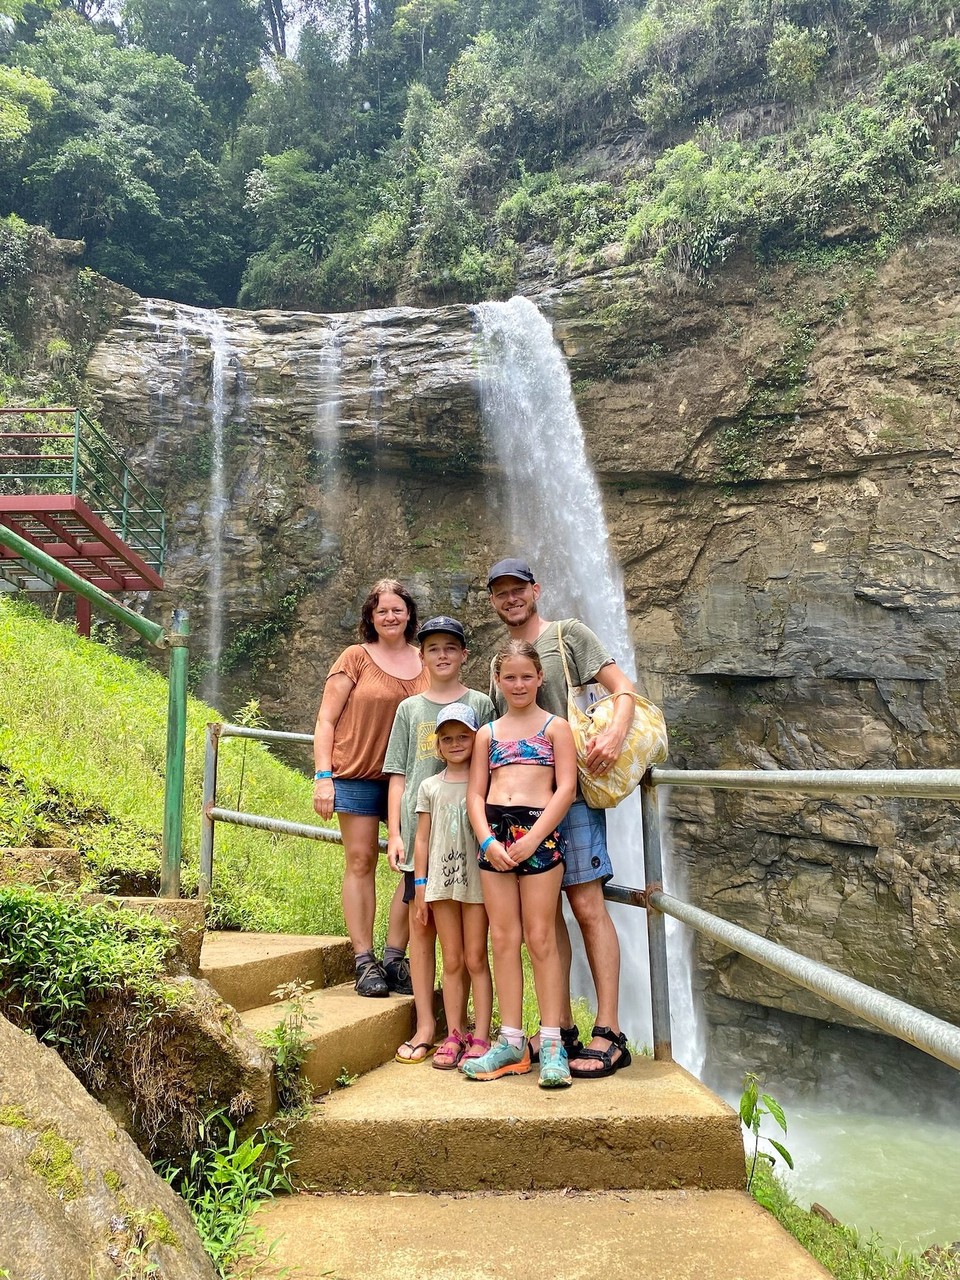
<point x="365" y="686"/>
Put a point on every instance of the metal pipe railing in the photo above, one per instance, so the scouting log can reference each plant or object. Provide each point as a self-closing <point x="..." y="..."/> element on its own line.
<point x="933" y="1035"/>
<point x="930" y="784"/>
<point x="211" y="813"/>
<point x="34" y="556"/>
<point x="178" y="642"/>
<point x="656" y="925"/>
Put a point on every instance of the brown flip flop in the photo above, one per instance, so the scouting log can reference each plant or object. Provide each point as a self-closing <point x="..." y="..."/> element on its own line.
<point x="431" y="1049"/>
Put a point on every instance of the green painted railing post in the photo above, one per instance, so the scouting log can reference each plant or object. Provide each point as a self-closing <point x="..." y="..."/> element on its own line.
<point x="176" y="754"/>
<point x="75" y="467"/>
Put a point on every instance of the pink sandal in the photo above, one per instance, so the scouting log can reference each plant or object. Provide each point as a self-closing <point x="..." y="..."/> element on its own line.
<point x="447" y="1057"/>
<point x="475" y="1048"/>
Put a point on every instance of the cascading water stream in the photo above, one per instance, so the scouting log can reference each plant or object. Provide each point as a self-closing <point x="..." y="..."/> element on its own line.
<point x="217" y="501"/>
<point x="326" y="432"/>
<point x="556" y="520"/>
<point x="189" y="322"/>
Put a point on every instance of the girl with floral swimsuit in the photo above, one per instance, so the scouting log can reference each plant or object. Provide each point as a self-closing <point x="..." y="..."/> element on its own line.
<point x="523" y="778"/>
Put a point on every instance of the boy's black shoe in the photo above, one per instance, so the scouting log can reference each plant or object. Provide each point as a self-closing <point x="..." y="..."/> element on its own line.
<point x="371" y="979"/>
<point x="397" y="973"/>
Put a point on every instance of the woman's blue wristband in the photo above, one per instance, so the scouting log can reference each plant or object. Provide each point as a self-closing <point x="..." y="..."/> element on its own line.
<point x="420" y="880"/>
<point x="487" y="843"/>
<point x="322" y="773"/>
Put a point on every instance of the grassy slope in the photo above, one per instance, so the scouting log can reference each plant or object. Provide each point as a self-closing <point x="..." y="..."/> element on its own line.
<point x="82" y="751"/>
<point x="840" y="1249"/>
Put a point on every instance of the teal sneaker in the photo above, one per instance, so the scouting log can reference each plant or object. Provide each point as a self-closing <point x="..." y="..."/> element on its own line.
<point x="501" y="1060"/>
<point x="554" y="1067"/>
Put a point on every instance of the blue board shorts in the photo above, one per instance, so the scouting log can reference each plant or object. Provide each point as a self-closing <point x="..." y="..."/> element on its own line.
<point x="584" y="831"/>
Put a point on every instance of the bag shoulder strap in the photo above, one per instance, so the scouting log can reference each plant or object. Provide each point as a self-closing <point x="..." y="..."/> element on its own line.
<point x="563" y="658"/>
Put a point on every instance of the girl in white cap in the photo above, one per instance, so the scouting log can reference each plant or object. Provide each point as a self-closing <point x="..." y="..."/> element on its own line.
<point x="446" y="879"/>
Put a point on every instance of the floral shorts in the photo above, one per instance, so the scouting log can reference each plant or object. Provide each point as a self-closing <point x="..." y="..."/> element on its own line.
<point x="508" y="823"/>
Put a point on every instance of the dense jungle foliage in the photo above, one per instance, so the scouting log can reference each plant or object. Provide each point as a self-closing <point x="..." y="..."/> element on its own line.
<point x="338" y="153"/>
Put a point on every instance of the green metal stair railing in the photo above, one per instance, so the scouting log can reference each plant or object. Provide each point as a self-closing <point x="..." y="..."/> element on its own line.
<point x="83" y="463"/>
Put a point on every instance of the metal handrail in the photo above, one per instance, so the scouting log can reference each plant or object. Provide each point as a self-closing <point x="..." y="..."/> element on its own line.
<point x="98" y="474"/>
<point x="932" y="784"/>
<point x="933" y="1035"/>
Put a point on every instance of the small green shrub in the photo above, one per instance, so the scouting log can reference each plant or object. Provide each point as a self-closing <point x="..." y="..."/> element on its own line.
<point x="59" y="957"/>
<point x="795" y="58"/>
<point x="287" y="1045"/>
<point x="223" y="1182"/>
<point x="754" y="1105"/>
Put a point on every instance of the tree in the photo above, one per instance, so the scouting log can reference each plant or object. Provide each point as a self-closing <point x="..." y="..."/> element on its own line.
<point x="417" y="17"/>
<point x="119" y="161"/>
<point x="218" y="41"/>
<point x="24" y="99"/>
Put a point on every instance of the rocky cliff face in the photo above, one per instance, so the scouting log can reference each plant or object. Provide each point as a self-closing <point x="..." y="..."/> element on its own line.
<point x="778" y="458"/>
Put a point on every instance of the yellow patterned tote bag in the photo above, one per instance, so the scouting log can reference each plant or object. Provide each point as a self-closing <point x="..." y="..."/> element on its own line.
<point x="644" y="745"/>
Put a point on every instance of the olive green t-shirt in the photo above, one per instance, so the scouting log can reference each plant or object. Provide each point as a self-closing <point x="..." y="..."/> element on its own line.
<point x="412" y="751"/>
<point x="585" y="657"/>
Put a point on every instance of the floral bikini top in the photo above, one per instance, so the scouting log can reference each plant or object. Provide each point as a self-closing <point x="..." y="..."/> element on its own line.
<point x="535" y="750"/>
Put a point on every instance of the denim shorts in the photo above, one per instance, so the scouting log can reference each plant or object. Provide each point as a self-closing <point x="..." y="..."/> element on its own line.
<point x="585" y="833"/>
<point x="365" y="797"/>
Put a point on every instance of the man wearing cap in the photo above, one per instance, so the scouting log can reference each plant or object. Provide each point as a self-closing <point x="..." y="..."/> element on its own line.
<point x="514" y="593"/>
<point x="411" y="757"/>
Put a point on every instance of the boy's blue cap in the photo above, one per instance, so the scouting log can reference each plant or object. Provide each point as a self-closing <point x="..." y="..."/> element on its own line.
<point x="449" y="626"/>
<point x="460" y="712"/>
<point x="510" y="569"/>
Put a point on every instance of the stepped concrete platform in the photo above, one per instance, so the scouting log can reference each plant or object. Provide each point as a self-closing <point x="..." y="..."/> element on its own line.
<point x="651" y="1125"/>
<point x="680" y="1235"/>
<point x="246" y="967"/>
<point x="346" y="1032"/>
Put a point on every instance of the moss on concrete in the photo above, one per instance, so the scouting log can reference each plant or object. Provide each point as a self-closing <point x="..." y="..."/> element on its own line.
<point x="14" y="1118"/>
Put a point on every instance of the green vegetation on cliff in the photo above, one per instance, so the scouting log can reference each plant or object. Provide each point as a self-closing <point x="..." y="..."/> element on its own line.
<point x="423" y="149"/>
<point x="82" y="755"/>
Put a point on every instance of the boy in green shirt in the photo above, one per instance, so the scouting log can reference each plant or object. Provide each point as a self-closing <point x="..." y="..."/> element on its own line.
<point x="412" y="757"/>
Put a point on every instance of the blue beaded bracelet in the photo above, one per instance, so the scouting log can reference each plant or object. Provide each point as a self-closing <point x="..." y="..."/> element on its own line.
<point x="491" y="839"/>
<point x="420" y="880"/>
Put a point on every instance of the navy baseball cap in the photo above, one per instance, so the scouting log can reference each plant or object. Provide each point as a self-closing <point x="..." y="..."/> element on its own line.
<point x="460" y="712"/>
<point x="450" y="626"/>
<point x="510" y="569"/>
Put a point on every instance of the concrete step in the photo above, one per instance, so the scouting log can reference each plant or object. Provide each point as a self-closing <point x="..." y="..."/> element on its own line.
<point x="246" y="967"/>
<point x="682" y="1235"/>
<point x="651" y="1125"/>
<point x="346" y="1032"/>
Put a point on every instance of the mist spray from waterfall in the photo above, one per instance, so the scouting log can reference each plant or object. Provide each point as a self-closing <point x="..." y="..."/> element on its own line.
<point x="556" y="520"/>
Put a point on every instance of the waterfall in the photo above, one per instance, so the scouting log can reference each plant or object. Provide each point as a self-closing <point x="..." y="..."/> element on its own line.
<point x="188" y="324"/>
<point x="217" y="501"/>
<point x="326" y="434"/>
<point x="556" y="521"/>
